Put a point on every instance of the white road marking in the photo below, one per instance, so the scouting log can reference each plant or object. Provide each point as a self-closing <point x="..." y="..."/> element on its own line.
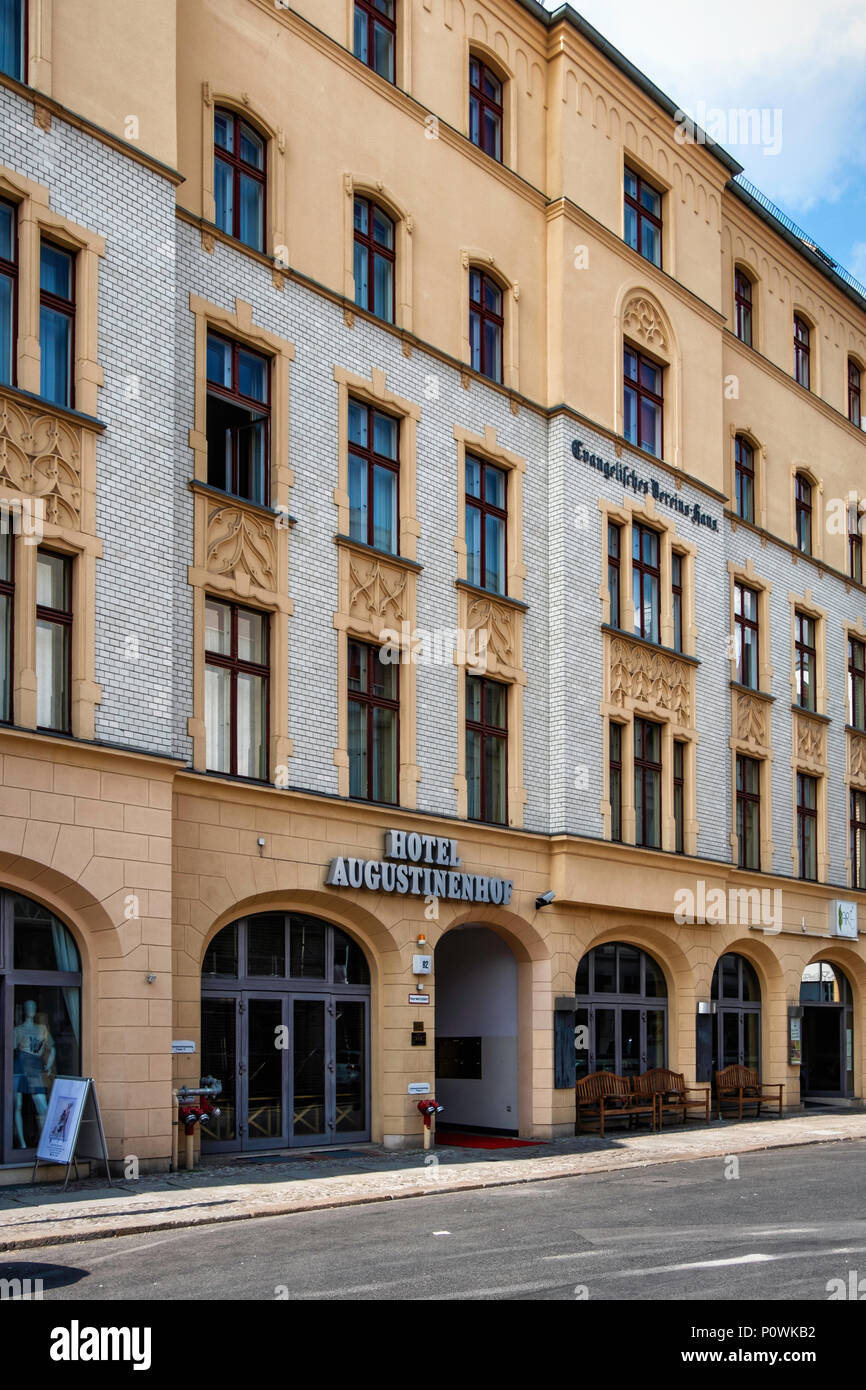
<point x="578" y="1255"/>
<point x="736" y="1260"/>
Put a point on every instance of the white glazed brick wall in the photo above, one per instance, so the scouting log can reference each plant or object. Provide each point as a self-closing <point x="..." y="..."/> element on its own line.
<point x="133" y="209"/>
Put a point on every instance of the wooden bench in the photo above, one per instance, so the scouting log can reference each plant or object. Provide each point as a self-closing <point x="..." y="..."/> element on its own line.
<point x="744" y="1084"/>
<point x="670" y="1092"/>
<point x="604" y="1093"/>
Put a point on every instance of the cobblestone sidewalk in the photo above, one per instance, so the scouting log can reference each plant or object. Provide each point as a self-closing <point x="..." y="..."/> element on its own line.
<point x="237" y="1191"/>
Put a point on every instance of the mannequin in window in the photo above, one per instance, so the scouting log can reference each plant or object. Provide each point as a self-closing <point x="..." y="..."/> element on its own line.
<point x="34" y="1053"/>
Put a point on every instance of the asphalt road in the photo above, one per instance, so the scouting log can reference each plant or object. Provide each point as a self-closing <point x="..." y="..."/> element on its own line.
<point x="789" y="1223"/>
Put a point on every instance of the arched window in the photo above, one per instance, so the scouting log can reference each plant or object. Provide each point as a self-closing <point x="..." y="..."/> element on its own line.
<point x="743" y="306"/>
<point x="854" y="380"/>
<point x="485" y="108"/>
<point x="240" y="176"/>
<point x="285" y="1028"/>
<point x="622" y="1010"/>
<point x="486" y="324"/>
<point x="374" y="259"/>
<point x="828" y="1031"/>
<point x="643" y="401"/>
<point x="744" y="478"/>
<point x="737" y="995"/>
<point x="803" y="513"/>
<point x="40" y="1005"/>
<point x="802" y="352"/>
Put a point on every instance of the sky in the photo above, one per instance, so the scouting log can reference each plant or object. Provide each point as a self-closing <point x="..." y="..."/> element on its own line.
<point x="801" y="63"/>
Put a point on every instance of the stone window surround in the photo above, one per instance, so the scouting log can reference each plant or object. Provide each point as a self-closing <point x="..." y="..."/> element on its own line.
<point x="404" y="227"/>
<point x="646" y="512"/>
<point x="275" y="231"/>
<point x="472" y="258"/>
<point x="669" y="734"/>
<point x="804" y="603"/>
<point x="759" y="460"/>
<point x="402" y="47"/>
<point x="746" y="574"/>
<point x="817" y="485"/>
<point x="854" y="780"/>
<point x="486" y="447"/>
<point x="475" y="48"/>
<point x="242" y="582"/>
<point x="642" y="323"/>
<point x="747" y="269"/>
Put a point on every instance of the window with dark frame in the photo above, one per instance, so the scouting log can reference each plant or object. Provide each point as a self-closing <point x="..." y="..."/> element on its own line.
<point x="805" y="660"/>
<point x="856" y="683"/>
<point x="854" y="413"/>
<point x="486" y="523"/>
<point x="375" y="36"/>
<point x="749" y="812"/>
<point x="679" y="796"/>
<point x="646" y="581"/>
<point x="643" y="217"/>
<point x="803" y="510"/>
<point x="53" y="641"/>
<point x="743" y="307"/>
<point x="615" y="778"/>
<point x="56" y="323"/>
<point x="807" y="826"/>
<point x="643" y="402"/>
<point x="486" y="325"/>
<point x="487" y="750"/>
<point x="8" y="292"/>
<point x="240" y="178"/>
<point x="13" y="39"/>
<point x="858" y="839"/>
<point x="374" y="717"/>
<point x="238" y="420"/>
<point x="374" y="473"/>
<point x="677" y="562"/>
<point x="746" y="635"/>
<point x="744" y="478"/>
<point x="614" y="571"/>
<point x="802" y="352"/>
<point x="374" y="260"/>
<point x="855" y="542"/>
<point x="7" y="617"/>
<point x="647" y="783"/>
<point x="485" y="109"/>
<point x="237" y="680"/>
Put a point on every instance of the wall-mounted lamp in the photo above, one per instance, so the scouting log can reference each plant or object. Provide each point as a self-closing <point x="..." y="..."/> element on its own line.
<point x="545" y="899"/>
<point x="151" y="979"/>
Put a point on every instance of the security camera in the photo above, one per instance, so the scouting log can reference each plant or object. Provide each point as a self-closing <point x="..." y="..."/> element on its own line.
<point x="546" y="899"/>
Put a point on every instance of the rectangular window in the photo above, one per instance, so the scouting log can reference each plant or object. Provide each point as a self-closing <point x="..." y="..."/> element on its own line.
<point x="743" y="307"/>
<point x="855" y="543"/>
<point x="679" y="796"/>
<point x="854" y="414"/>
<point x="744" y="478"/>
<point x="7" y="608"/>
<point x="376" y="35"/>
<point x="806" y="660"/>
<point x="53" y="641"/>
<point x="237" y="677"/>
<point x="746" y="634"/>
<point x="749" y="812"/>
<point x="614" y="548"/>
<point x="374" y="712"/>
<point x="13" y="46"/>
<point x="645" y="581"/>
<point x="647" y="783"/>
<point x="239" y="179"/>
<point x="486" y="518"/>
<point x="643" y="402"/>
<point x="803" y="509"/>
<point x="238" y="417"/>
<point x="487" y="750"/>
<point x="374" y="464"/>
<point x="8" y="291"/>
<point x="643" y="217"/>
<point x="486" y="322"/>
<point x="485" y="109"/>
<point x="56" y="322"/>
<point x="807" y="825"/>
<point x="858" y="840"/>
<point x="677" y="598"/>
<point x="615" y="771"/>
<point x="374" y="260"/>
<point x="802" y="352"/>
<point x="856" y="683"/>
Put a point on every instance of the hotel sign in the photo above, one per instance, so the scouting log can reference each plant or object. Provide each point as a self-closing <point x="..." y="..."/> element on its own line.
<point x="421" y="866"/>
<point x="644" y="487"/>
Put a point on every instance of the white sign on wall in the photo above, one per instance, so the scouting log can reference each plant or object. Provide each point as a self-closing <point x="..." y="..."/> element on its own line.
<point x="843" y="919"/>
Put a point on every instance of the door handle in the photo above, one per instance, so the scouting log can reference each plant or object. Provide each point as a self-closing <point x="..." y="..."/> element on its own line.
<point x="331" y="1065"/>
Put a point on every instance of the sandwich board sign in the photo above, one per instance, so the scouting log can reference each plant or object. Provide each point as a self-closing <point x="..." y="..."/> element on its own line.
<point x="72" y="1107"/>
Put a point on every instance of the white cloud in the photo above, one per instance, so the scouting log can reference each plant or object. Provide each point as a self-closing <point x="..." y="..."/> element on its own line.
<point x="803" y="58"/>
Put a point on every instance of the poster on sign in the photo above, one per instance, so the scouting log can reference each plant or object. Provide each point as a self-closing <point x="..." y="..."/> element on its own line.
<point x="62" y="1122"/>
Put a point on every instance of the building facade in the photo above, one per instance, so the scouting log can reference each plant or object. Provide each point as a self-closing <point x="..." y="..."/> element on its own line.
<point x="430" y="484"/>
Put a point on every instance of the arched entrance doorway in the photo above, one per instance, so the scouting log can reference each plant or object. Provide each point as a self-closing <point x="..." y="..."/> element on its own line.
<point x="736" y="992"/>
<point x="476" y="1031"/>
<point x="622" y="1006"/>
<point x="828" y="1032"/>
<point x="285" y="1026"/>
<point x="40" y="1018"/>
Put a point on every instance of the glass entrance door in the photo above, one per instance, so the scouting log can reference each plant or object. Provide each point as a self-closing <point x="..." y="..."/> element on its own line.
<point x="264" y="1073"/>
<point x="312" y="1068"/>
<point x="329" y="1069"/>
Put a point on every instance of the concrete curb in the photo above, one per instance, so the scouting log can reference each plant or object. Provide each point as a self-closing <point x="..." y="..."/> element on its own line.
<point x="91" y="1227"/>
